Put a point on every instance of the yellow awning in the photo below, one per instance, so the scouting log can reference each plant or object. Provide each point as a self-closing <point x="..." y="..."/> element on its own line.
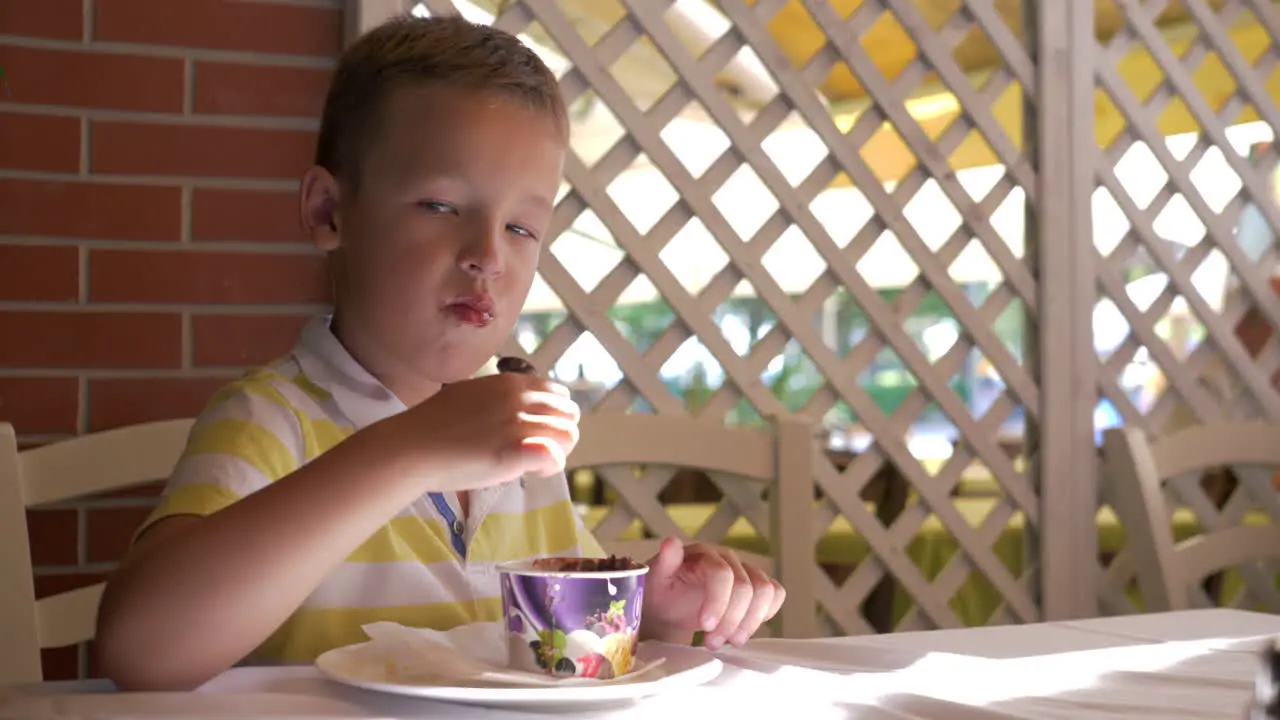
<point x="892" y="49"/>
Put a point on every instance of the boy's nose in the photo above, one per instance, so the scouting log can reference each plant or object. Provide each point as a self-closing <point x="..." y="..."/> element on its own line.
<point x="482" y="255"/>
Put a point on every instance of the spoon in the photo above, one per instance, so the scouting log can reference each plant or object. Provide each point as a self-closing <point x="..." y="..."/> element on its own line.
<point x="520" y="366"/>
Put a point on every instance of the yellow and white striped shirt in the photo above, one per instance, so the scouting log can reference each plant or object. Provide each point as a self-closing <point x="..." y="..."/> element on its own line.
<point x="274" y="420"/>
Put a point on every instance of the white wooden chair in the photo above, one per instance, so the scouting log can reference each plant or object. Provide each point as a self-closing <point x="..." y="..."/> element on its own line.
<point x="1136" y="473"/>
<point x="637" y="454"/>
<point x="73" y="468"/>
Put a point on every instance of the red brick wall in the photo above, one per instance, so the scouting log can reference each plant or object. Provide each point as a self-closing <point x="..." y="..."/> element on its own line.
<point x="149" y="155"/>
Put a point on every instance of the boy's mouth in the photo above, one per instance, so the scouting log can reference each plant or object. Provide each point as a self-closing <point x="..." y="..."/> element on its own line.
<point x="473" y="310"/>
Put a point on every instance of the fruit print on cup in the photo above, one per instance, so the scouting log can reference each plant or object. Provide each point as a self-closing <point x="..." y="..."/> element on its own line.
<point x="573" y="622"/>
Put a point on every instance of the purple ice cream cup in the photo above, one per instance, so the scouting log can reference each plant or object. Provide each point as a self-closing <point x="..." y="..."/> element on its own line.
<point x="571" y="623"/>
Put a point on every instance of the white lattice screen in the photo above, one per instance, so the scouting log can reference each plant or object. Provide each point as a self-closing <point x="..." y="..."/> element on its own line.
<point x="806" y="199"/>
<point x="1204" y="225"/>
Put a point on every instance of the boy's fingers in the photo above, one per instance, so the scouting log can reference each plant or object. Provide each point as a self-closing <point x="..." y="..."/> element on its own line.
<point x="740" y="599"/>
<point x="544" y="455"/>
<point x="760" y="609"/>
<point x="561" y="429"/>
<point x="779" y="596"/>
<point x="540" y="384"/>
<point x="558" y="389"/>
<point x="559" y="404"/>
<point x="717" y="578"/>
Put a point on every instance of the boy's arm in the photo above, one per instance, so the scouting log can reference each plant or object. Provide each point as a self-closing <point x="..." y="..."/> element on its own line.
<point x="197" y="594"/>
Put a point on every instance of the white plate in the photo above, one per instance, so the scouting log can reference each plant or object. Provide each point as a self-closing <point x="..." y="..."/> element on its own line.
<point x="364" y="666"/>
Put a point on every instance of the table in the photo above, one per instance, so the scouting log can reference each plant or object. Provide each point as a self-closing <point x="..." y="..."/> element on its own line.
<point x="1195" y="664"/>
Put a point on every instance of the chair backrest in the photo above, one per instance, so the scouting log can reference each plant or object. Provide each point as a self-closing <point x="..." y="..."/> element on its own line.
<point x="82" y="466"/>
<point x="1137" y="471"/>
<point x="764" y="477"/>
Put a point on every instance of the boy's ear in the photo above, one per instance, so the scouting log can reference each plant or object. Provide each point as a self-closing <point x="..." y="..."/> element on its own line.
<point x="319" y="208"/>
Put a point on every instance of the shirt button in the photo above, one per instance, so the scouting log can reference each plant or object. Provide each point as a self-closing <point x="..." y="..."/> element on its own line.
<point x="459" y="528"/>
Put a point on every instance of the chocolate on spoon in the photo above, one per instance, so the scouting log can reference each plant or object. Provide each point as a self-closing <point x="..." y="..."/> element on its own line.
<point x="512" y="364"/>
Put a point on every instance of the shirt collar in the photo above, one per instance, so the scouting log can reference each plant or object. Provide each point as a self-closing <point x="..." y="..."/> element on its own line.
<point x="327" y="363"/>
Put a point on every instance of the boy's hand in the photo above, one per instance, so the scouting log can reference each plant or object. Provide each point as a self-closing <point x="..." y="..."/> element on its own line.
<point x="699" y="587"/>
<point x="491" y="430"/>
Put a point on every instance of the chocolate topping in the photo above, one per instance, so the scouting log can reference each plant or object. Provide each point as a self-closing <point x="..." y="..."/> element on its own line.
<point x="612" y="563"/>
<point x="511" y="364"/>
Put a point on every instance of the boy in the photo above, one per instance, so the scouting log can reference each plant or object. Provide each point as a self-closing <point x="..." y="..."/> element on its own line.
<point x="365" y="476"/>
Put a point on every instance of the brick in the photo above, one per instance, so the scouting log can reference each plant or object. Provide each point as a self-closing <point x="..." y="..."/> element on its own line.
<point x="47" y="585"/>
<point x="55" y="19"/>
<point x="93" y="79"/>
<point x="60" y="663"/>
<point x="206" y="277"/>
<point x="221" y="25"/>
<point x="110" y="531"/>
<point x="42" y="143"/>
<point x="108" y="340"/>
<point x="116" y="402"/>
<point x="53" y="536"/>
<point x="35" y="405"/>
<point x="243" y="340"/>
<point x="90" y="210"/>
<point x="245" y="215"/>
<point x="240" y="89"/>
<point x="192" y="150"/>
<point x="35" y="272"/>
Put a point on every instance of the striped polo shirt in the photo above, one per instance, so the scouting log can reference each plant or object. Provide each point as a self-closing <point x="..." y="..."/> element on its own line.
<point x="269" y="423"/>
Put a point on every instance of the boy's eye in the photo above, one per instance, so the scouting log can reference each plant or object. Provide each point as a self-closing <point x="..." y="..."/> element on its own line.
<point x="435" y="206"/>
<point x="526" y="232"/>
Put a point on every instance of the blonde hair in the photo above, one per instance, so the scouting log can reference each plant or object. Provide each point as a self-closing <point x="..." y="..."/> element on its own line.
<point x="409" y="51"/>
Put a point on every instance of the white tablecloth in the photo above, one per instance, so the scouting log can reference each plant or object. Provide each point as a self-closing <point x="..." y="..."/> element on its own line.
<point x="1197" y="664"/>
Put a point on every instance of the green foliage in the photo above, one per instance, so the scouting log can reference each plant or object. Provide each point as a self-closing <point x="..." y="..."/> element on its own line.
<point x="886" y="380"/>
<point x="642" y="324"/>
<point x="697" y="391"/>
